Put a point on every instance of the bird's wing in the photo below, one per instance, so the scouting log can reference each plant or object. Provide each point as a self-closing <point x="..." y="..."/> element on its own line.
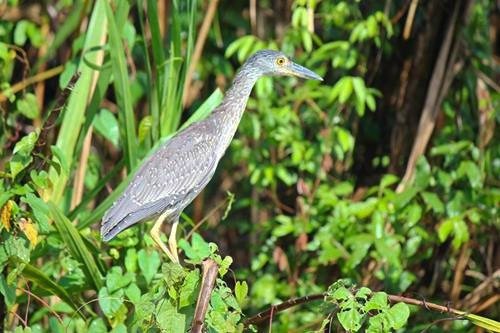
<point x="179" y="169"/>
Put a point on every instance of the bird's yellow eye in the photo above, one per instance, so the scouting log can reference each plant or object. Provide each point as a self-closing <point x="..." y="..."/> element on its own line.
<point x="280" y="61"/>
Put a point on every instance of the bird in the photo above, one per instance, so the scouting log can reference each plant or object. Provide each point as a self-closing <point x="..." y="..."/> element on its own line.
<point x="178" y="171"/>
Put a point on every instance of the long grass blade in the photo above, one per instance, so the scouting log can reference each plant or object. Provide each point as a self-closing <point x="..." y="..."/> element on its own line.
<point x="68" y="26"/>
<point x="36" y="276"/>
<point x="483" y="322"/>
<point x="75" y="111"/>
<point x="76" y="246"/>
<point x="122" y="91"/>
<point x="153" y="93"/>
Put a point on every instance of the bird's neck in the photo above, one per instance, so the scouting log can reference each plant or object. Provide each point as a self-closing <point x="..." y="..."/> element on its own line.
<point x="228" y="114"/>
<point x="235" y="99"/>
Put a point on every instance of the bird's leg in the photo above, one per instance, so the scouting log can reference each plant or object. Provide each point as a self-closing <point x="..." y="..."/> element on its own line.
<point x="172" y="241"/>
<point x="155" y="234"/>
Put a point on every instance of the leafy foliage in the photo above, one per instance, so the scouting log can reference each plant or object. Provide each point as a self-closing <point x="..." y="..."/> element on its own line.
<point x="305" y="213"/>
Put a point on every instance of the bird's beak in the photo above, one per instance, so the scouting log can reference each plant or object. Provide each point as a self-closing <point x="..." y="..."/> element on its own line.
<point x="303" y="72"/>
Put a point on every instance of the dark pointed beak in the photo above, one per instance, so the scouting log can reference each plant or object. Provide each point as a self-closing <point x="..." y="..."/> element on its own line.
<point x="303" y="72"/>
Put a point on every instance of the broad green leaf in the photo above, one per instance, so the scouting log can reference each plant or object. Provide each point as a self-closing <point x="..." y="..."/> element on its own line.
<point x="197" y="250"/>
<point x="378" y="301"/>
<point x="133" y="293"/>
<point x="97" y="326"/>
<point x="149" y="262"/>
<point x="110" y="303"/>
<point x="341" y="294"/>
<point x="168" y="319"/>
<point x="398" y="315"/>
<point x="350" y="319"/>
<point x="363" y="293"/>
<point x="189" y="288"/>
<point x="115" y="279"/>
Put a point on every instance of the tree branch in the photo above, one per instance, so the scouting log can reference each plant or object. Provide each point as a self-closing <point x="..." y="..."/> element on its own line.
<point x="264" y="315"/>
<point x="210" y="269"/>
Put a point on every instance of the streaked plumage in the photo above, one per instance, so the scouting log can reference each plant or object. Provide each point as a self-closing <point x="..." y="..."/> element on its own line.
<point x="174" y="175"/>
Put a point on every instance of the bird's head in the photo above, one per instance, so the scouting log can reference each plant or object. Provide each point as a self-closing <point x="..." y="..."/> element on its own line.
<point x="269" y="62"/>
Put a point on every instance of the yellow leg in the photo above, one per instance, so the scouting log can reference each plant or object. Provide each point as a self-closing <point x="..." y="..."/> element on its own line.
<point x="172" y="241"/>
<point x="155" y="234"/>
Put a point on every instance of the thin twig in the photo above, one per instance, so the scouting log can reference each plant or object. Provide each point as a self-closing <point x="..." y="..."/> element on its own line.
<point x="409" y="19"/>
<point x="42" y="302"/>
<point x="210" y="270"/>
<point x="31" y="80"/>
<point x="264" y="315"/>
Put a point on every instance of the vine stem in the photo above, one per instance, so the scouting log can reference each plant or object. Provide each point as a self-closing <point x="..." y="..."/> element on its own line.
<point x="264" y="315"/>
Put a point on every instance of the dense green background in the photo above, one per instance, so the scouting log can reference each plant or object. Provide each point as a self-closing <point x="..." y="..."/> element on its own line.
<point x="309" y="193"/>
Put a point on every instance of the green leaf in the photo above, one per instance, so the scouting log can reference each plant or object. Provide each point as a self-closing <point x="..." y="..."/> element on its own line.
<point x="168" y="319"/>
<point x="241" y="292"/>
<point x="26" y="144"/>
<point x="110" y="303"/>
<point x="398" y="315"/>
<point x="350" y="319"/>
<point x="188" y="292"/>
<point x="133" y="293"/>
<point x="149" y="262"/>
<point x="340" y="294"/>
<point x="18" y="163"/>
<point x="445" y="229"/>
<point x="345" y="90"/>
<point x="145" y="126"/>
<point x="8" y="292"/>
<point x="28" y="106"/>
<point x="40" y="211"/>
<point x="197" y="250"/>
<point x="388" y="180"/>
<point x="432" y="200"/>
<point x="97" y="326"/>
<point x="378" y="301"/>
<point x="451" y="148"/>
<point x="115" y="279"/>
<point x="363" y="293"/>
<point x="131" y="260"/>
<point x="106" y="125"/>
